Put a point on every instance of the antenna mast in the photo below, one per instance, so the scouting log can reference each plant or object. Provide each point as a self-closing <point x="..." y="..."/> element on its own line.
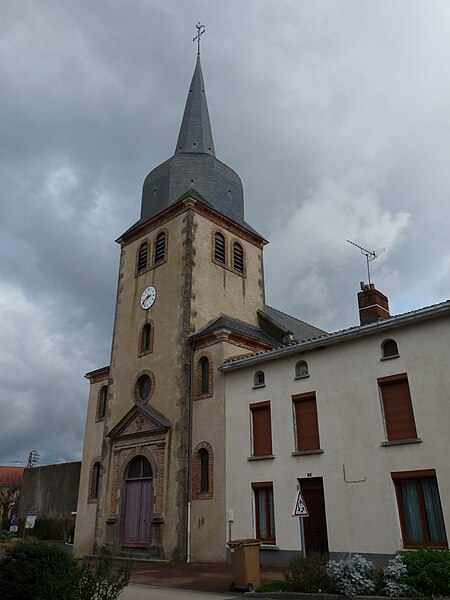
<point x="369" y="254"/>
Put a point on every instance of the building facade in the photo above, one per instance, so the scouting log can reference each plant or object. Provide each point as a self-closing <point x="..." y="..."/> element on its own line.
<point x="358" y="421"/>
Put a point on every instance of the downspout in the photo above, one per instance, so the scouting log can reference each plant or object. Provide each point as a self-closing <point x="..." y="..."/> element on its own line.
<point x="189" y="487"/>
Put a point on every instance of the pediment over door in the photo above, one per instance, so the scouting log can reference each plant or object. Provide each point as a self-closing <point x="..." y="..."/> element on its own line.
<point x="139" y="420"/>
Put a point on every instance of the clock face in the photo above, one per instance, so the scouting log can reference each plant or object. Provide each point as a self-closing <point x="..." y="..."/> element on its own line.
<point x="148" y="297"/>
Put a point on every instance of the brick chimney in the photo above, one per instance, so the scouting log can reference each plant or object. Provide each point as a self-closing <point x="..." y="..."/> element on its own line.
<point x="373" y="305"/>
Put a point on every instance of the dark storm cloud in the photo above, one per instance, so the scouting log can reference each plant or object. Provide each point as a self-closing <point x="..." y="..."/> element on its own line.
<point x="335" y="114"/>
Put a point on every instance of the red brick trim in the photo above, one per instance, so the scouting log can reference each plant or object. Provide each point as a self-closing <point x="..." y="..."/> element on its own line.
<point x="134" y="390"/>
<point x="196" y="472"/>
<point x="92" y="498"/>
<point x="102" y="403"/>
<point x="141" y="351"/>
<point x="198" y="377"/>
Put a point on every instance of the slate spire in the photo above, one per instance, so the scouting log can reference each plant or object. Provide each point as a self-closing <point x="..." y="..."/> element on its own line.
<point x="195" y="131"/>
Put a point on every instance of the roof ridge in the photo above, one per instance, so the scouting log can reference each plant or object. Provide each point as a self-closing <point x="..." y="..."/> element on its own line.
<point x="292" y="317"/>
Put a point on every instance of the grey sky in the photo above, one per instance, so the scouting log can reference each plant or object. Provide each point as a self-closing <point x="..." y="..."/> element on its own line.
<point x="334" y="113"/>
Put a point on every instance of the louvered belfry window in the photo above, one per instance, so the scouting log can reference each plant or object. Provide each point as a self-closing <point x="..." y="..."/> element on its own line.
<point x="219" y="248"/>
<point x="160" y="248"/>
<point x="142" y="257"/>
<point x="307" y="427"/>
<point x="397" y="407"/>
<point x="261" y="429"/>
<point x="238" y="257"/>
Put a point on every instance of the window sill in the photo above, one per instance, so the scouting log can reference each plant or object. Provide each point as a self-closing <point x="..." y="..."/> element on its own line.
<point x="402" y="442"/>
<point x="301" y="376"/>
<point x="265" y="457"/>
<point x="269" y="546"/>
<point x="389" y="357"/>
<point x="306" y="452"/>
<point x="259" y="385"/>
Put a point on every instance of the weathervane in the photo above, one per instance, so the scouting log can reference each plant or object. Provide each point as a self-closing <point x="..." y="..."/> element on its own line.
<point x="200" y="31"/>
<point x="369" y="254"/>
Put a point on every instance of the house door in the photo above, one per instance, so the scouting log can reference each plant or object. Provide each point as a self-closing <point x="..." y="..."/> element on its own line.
<point x="315" y="526"/>
<point x="138" y="504"/>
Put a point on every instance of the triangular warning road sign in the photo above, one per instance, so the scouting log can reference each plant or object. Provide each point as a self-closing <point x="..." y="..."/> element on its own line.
<point x="300" y="508"/>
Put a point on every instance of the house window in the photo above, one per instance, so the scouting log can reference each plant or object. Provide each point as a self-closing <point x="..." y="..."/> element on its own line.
<point x="202" y="472"/>
<point x="397" y="408"/>
<point x="264" y="512"/>
<point x="238" y="258"/>
<point x="306" y="424"/>
<point x="420" y="510"/>
<point x="142" y="258"/>
<point x="219" y="248"/>
<point x="259" y="379"/>
<point x="146" y="339"/>
<point x="389" y="349"/>
<point x="261" y="429"/>
<point x="301" y="369"/>
<point x="101" y="402"/>
<point x="95" y="481"/>
<point x="160" y="248"/>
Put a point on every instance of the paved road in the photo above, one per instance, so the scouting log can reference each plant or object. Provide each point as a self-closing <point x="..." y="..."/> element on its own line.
<point x="146" y="592"/>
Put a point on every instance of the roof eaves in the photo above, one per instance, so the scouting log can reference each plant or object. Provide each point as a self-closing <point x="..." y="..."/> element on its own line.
<point x="420" y="314"/>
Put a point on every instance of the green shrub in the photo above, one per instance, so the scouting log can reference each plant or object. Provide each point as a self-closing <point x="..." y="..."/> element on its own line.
<point x="428" y="572"/>
<point x="309" y="574"/>
<point x="102" y="583"/>
<point x="274" y="586"/>
<point x="6" y="535"/>
<point x="38" y="571"/>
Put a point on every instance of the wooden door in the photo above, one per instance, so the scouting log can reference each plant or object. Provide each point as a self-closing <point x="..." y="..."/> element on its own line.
<point x="138" y="508"/>
<point x="315" y="526"/>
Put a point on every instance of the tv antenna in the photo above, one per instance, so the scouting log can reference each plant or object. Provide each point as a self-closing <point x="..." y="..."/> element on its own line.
<point x="369" y="254"/>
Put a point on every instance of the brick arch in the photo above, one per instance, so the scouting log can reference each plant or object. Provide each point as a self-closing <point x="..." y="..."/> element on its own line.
<point x="166" y="247"/>
<point x="196" y="472"/>
<point x="213" y="247"/>
<point x="198" y="395"/>
<point x="149" y="256"/>
<point x="92" y="496"/>
<point x="244" y="257"/>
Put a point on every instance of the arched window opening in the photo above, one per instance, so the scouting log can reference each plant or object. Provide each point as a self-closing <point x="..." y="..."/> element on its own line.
<point x="259" y="379"/>
<point x="301" y="369"/>
<point x="219" y="248"/>
<point x="204" y="470"/>
<point x="146" y="338"/>
<point x="142" y="257"/>
<point x="204" y="375"/>
<point x="95" y="482"/>
<point x="102" y="400"/>
<point x="238" y="258"/>
<point x="389" y="349"/>
<point x="139" y="468"/>
<point x="160" y="248"/>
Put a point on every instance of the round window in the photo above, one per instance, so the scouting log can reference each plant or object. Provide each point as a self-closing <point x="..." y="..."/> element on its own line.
<point x="143" y="387"/>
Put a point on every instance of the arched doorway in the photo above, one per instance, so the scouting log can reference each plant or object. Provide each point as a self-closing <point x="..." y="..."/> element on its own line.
<point x="138" y="510"/>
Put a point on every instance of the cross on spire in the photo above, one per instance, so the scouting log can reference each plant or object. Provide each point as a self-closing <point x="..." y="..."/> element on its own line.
<point x="200" y="31"/>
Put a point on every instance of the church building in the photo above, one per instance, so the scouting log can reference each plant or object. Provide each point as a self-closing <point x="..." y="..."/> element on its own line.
<point x="190" y="295"/>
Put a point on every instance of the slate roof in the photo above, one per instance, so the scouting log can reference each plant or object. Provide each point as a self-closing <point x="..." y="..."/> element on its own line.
<point x="299" y="329"/>
<point x="235" y="325"/>
<point x="194" y="165"/>
<point x="11" y="476"/>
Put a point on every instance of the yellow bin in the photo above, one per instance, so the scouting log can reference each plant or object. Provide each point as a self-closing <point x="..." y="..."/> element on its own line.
<point x="245" y="563"/>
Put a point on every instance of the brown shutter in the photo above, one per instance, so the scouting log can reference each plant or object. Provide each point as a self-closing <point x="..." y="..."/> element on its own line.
<point x="262" y="430"/>
<point x="306" y="422"/>
<point x="398" y="411"/>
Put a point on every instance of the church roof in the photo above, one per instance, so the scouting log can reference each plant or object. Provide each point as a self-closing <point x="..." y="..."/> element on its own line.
<point x="194" y="165"/>
<point x="299" y="329"/>
<point x="237" y="326"/>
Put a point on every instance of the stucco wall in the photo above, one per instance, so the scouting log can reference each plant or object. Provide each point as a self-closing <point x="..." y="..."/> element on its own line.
<point x="361" y="510"/>
<point x="50" y="492"/>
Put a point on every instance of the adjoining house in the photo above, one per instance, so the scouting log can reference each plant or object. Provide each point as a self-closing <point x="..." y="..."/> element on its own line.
<point x="358" y="420"/>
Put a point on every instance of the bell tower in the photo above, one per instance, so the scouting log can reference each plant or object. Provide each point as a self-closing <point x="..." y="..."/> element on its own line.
<point x="190" y="287"/>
